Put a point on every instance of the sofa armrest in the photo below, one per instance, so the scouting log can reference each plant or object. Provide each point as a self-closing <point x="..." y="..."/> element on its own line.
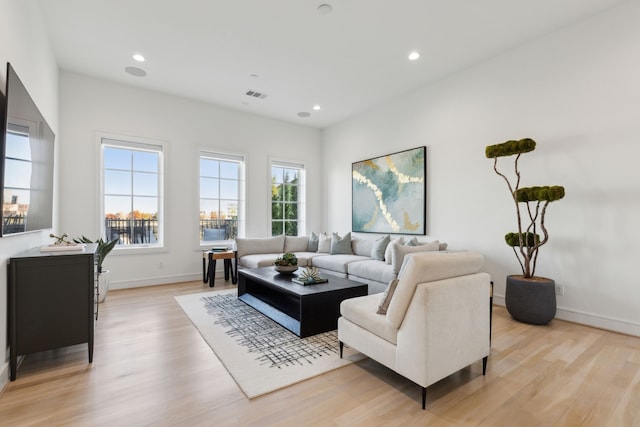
<point x="446" y="328"/>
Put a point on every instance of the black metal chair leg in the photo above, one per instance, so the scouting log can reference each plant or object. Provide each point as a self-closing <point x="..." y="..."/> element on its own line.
<point x="424" y="397"/>
<point x="484" y="364"/>
<point x="341" y="348"/>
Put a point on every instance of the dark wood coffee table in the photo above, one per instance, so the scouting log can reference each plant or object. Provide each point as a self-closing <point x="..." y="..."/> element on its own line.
<point x="304" y="310"/>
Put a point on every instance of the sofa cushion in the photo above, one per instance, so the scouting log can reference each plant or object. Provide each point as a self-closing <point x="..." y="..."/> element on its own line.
<point x="387" y="252"/>
<point x="379" y="247"/>
<point x="312" y="246"/>
<point x="258" y="260"/>
<point x="340" y="245"/>
<point x="361" y="246"/>
<point x="296" y="243"/>
<point x="371" y="269"/>
<point x="259" y="245"/>
<point x="304" y="258"/>
<point x="386" y="297"/>
<point x="337" y="263"/>
<point x="399" y="251"/>
<point x="362" y="312"/>
<point x="428" y="267"/>
<point x="324" y="243"/>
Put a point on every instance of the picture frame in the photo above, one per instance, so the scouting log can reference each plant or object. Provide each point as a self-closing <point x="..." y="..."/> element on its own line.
<point x="389" y="193"/>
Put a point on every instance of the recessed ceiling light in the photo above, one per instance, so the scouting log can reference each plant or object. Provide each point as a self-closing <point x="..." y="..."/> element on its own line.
<point x="138" y="57"/>
<point x="413" y="56"/>
<point x="303" y="114"/>
<point x="324" y="9"/>
<point x="254" y="76"/>
<point x="135" y="71"/>
<point x="316" y="107"/>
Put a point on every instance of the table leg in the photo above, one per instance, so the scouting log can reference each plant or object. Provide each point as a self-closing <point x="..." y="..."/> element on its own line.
<point x="227" y="267"/>
<point x="234" y="269"/>
<point x="212" y="269"/>
<point x="205" y="275"/>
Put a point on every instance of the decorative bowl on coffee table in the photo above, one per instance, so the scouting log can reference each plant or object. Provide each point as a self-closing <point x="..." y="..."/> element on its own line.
<point x="285" y="269"/>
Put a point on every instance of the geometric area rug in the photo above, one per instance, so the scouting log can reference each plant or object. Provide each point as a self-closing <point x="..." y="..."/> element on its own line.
<point x="260" y="355"/>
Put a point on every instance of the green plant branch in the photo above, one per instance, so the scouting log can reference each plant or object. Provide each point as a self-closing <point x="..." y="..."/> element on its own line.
<point x="527" y="240"/>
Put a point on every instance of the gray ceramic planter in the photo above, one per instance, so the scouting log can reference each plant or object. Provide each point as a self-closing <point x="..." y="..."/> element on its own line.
<point x="531" y="300"/>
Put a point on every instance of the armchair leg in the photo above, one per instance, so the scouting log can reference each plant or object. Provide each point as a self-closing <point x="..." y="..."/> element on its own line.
<point x="341" y="347"/>
<point x="424" y="397"/>
<point x="484" y="364"/>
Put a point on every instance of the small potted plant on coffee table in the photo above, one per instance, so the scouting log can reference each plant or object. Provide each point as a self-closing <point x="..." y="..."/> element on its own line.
<point x="287" y="263"/>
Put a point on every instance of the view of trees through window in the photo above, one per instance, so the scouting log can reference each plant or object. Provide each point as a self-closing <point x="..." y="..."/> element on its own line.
<point x="220" y="190"/>
<point x="285" y="186"/>
<point x="131" y="191"/>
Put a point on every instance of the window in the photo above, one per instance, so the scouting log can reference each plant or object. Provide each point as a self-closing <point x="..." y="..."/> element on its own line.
<point x="18" y="167"/>
<point x="221" y="196"/>
<point x="132" y="188"/>
<point x="287" y="199"/>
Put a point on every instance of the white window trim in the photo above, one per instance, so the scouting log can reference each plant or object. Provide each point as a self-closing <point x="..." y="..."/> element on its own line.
<point x="129" y="141"/>
<point x="242" y="199"/>
<point x="302" y="192"/>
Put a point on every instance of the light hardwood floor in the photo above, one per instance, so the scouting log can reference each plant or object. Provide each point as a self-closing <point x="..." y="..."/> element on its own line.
<point x="152" y="368"/>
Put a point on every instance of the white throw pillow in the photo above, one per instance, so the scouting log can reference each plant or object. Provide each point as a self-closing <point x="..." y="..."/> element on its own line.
<point x="399" y="251"/>
<point x="387" y="252"/>
<point x="324" y="243"/>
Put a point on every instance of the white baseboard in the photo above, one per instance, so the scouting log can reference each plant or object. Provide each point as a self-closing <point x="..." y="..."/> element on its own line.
<point x="589" y="319"/>
<point x="160" y="280"/>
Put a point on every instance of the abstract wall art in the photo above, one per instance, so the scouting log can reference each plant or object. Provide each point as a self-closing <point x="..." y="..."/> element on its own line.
<point x="389" y="193"/>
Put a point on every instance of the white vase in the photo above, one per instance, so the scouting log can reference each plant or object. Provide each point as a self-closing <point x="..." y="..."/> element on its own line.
<point x="103" y="284"/>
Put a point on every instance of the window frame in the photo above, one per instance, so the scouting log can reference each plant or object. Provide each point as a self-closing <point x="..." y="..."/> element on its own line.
<point x="222" y="155"/>
<point x="140" y="144"/>
<point x="302" y="190"/>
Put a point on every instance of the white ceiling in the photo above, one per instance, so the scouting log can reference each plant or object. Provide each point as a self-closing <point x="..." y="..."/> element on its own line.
<point x="347" y="61"/>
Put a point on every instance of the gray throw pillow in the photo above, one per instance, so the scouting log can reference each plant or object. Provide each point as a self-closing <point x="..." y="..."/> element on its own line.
<point x="379" y="247"/>
<point x="412" y="242"/>
<point x="340" y="245"/>
<point x="386" y="297"/>
<point x="314" y="239"/>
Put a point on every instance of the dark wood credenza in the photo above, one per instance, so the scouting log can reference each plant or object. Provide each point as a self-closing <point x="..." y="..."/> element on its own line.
<point x="51" y="301"/>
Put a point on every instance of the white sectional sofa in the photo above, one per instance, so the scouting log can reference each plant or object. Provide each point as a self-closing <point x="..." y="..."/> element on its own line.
<point x="371" y="260"/>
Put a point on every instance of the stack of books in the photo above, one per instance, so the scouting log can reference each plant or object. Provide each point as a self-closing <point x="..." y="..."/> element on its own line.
<point x="314" y="282"/>
<point x="63" y="247"/>
<point x="220" y="248"/>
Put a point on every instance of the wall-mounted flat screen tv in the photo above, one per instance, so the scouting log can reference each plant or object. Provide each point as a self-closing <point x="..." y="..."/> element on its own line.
<point x="26" y="168"/>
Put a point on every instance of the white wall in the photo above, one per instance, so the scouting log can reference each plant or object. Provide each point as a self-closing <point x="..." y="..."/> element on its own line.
<point x="24" y="44"/>
<point x="89" y="105"/>
<point x="577" y="93"/>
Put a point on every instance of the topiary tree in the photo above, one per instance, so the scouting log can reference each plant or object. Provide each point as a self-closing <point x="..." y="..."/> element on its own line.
<point x="526" y="242"/>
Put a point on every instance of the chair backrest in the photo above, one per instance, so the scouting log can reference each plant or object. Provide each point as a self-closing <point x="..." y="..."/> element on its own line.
<point x="428" y="267"/>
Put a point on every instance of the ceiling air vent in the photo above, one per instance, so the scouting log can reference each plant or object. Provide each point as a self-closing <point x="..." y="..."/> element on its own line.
<point x="256" y="94"/>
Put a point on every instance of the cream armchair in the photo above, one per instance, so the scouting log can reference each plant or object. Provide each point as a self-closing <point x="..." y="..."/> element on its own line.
<point x="437" y="321"/>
